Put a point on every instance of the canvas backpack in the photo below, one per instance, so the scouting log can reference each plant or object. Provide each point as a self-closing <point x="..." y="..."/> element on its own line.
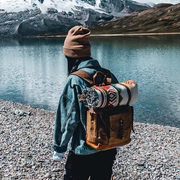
<point x="107" y="127"/>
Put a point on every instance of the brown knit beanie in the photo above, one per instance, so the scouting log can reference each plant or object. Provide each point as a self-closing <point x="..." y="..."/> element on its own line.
<point x="76" y="44"/>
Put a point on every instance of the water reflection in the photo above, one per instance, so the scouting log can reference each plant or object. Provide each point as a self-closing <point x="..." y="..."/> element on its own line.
<point x="33" y="71"/>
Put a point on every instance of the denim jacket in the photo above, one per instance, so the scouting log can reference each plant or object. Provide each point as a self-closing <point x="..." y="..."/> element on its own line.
<point x="70" y="120"/>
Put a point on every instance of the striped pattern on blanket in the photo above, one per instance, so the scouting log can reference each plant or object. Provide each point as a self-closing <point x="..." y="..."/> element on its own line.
<point x="109" y="96"/>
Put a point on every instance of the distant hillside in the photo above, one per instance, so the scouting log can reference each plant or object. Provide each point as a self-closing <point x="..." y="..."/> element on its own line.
<point x="160" y="18"/>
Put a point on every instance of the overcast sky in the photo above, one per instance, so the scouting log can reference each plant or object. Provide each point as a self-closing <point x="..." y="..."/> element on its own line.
<point x="159" y="1"/>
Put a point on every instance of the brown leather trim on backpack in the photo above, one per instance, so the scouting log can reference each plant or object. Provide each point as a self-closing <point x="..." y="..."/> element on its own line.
<point x="108" y="74"/>
<point x="104" y="82"/>
<point x="86" y="76"/>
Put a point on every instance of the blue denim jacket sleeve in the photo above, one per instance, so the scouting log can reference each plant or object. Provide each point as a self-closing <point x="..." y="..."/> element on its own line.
<point x="67" y="115"/>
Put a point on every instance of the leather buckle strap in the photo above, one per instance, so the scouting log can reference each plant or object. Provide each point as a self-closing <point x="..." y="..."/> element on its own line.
<point x="95" y="76"/>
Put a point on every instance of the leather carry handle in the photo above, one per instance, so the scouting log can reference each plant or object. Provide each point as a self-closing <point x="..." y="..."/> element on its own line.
<point x="95" y="76"/>
<point x="86" y="76"/>
<point x="129" y="93"/>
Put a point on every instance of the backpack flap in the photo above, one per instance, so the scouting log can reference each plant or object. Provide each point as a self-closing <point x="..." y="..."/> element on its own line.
<point x="96" y="130"/>
<point x="121" y="125"/>
<point x="109" y="128"/>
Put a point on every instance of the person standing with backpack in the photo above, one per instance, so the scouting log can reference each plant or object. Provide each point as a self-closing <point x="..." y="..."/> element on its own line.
<point x="70" y="123"/>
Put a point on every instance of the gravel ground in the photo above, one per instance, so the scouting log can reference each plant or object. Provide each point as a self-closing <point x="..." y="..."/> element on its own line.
<point x="26" y="139"/>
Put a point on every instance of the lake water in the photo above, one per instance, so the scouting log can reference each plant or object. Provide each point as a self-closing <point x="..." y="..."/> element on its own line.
<point x="34" y="71"/>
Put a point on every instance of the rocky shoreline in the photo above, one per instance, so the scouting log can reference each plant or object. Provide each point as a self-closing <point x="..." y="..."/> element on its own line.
<point x="26" y="138"/>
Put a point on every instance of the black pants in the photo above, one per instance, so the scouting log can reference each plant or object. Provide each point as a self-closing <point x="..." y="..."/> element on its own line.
<point x="98" y="166"/>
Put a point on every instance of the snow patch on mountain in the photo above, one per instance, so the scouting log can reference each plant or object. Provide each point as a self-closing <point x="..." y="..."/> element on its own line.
<point x="59" y="5"/>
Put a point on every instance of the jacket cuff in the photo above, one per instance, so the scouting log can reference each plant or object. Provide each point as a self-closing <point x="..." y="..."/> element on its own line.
<point x="60" y="149"/>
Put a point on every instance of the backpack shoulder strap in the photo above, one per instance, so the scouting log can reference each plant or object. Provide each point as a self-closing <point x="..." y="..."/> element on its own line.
<point x="84" y="75"/>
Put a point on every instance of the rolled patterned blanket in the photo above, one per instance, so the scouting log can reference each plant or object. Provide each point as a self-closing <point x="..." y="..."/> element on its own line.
<point x="109" y="95"/>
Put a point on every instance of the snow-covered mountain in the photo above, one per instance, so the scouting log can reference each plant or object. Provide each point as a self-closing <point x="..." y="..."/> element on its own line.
<point x="35" y="17"/>
<point x="43" y="5"/>
<point x="63" y="5"/>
